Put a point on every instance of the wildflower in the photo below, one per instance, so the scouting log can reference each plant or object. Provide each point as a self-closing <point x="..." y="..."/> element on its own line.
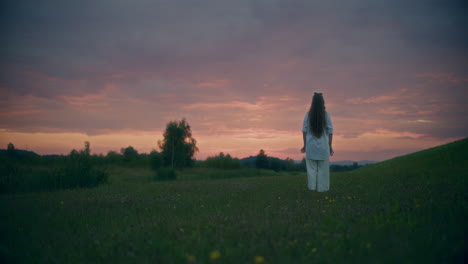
<point x="368" y="245"/>
<point x="314" y="250"/>
<point x="417" y="205"/>
<point x="259" y="259"/>
<point x="215" y="254"/>
<point x="61" y="202"/>
<point x="323" y="211"/>
<point x="349" y="197"/>
<point x="191" y="258"/>
<point x="326" y="197"/>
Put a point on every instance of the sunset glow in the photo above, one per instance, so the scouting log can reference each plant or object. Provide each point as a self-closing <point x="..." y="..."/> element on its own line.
<point x="242" y="73"/>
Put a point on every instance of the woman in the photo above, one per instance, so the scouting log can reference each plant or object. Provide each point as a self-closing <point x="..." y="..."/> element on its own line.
<point x="317" y="133"/>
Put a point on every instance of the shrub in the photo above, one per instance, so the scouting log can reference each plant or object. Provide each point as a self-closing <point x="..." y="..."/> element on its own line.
<point x="73" y="171"/>
<point x="221" y="162"/>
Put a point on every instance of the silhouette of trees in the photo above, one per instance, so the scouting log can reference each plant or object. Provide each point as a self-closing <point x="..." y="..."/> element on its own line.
<point x="262" y="160"/>
<point x="275" y="164"/>
<point x="129" y="153"/>
<point x="222" y="161"/>
<point x="87" y="149"/>
<point x="11" y="149"/>
<point x="178" y="145"/>
<point x="289" y="164"/>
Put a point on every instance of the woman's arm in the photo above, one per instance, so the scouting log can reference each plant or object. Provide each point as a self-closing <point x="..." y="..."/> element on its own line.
<point x="330" y="139"/>
<point x="304" y="139"/>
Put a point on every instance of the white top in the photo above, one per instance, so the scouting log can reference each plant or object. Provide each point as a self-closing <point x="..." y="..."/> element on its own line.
<point x="317" y="148"/>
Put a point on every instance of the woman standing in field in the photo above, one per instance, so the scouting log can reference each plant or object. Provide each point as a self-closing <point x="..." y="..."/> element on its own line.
<point x="317" y="133"/>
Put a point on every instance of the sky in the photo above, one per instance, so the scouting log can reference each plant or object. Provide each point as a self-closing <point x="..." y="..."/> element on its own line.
<point x="114" y="73"/>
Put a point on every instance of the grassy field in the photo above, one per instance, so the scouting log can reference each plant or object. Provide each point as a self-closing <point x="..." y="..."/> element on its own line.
<point x="411" y="209"/>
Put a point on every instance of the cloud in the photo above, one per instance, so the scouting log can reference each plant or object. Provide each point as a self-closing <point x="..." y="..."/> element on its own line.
<point x="245" y="69"/>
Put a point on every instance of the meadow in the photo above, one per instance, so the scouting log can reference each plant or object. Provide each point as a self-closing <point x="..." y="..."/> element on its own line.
<point x="410" y="209"/>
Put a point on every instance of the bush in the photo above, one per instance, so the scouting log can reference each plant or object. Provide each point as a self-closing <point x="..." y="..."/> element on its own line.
<point x="79" y="173"/>
<point x="221" y="162"/>
<point x="165" y="173"/>
<point x="73" y="171"/>
<point x="48" y="179"/>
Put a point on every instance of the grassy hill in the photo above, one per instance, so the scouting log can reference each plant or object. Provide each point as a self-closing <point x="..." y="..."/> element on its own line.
<point x="410" y="209"/>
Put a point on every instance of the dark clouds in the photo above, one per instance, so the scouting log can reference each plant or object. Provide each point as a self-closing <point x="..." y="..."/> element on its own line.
<point x="93" y="66"/>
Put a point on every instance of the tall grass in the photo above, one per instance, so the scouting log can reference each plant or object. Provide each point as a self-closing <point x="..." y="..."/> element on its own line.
<point x="411" y="209"/>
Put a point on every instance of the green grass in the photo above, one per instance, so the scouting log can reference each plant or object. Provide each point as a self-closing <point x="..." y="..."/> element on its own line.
<point x="410" y="209"/>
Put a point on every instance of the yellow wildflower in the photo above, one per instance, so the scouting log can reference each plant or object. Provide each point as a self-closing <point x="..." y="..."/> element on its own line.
<point x="61" y="202"/>
<point x="259" y="259"/>
<point x="215" y="254"/>
<point x="314" y="250"/>
<point x="326" y="197"/>
<point x="191" y="258"/>
<point x="368" y="245"/>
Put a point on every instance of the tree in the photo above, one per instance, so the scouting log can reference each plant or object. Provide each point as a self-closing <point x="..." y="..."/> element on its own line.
<point x="262" y="160"/>
<point x="178" y="145"/>
<point x="113" y="157"/>
<point x="275" y="164"/>
<point x="87" y="150"/>
<point x="289" y="164"/>
<point x="129" y="153"/>
<point x="10" y="149"/>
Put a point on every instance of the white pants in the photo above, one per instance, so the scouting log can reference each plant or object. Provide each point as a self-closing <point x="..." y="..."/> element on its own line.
<point x="318" y="175"/>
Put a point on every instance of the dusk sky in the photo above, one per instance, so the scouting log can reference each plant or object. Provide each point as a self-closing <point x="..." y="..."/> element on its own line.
<point x="394" y="74"/>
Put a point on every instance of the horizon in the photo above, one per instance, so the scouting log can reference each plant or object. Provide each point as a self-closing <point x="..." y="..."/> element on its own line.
<point x="393" y="75"/>
<point x="240" y="158"/>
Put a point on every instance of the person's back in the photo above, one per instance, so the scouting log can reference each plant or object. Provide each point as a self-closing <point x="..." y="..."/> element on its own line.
<point x="317" y="134"/>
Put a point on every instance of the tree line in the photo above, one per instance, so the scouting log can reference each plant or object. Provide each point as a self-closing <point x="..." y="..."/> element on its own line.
<point x="176" y="151"/>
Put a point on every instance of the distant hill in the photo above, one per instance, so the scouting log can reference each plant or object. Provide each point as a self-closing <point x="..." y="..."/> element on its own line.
<point x="20" y="153"/>
<point x="426" y="161"/>
<point x="250" y="161"/>
<point x="350" y="162"/>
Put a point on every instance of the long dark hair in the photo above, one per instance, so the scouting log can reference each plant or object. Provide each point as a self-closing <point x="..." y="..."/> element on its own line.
<point x="317" y="115"/>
